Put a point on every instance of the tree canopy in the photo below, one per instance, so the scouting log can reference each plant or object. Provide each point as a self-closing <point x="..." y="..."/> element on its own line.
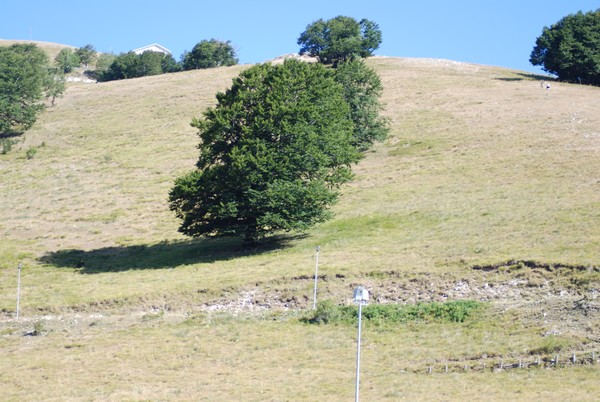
<point x="209" y="54"/>
<point x="340" y="39"/>
<point x="87" y="54"/>
<point x="67" y="60"/>
<point x="570" y="49"/>
<point x="273" y="153"/>
<point x="132" y="65"/>
<point x="362" y="90"/>
<point x="26" y="81"/>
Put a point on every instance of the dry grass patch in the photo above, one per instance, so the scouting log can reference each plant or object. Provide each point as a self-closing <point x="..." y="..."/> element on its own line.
<point x="273" y="357"/>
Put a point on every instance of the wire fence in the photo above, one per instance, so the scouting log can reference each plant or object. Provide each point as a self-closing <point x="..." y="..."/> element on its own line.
<point x="554" y="361"/>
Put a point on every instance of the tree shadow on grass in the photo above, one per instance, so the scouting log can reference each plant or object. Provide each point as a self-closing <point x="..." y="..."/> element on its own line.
<point x="527" y="76"/>
<point x="166" y="254"/>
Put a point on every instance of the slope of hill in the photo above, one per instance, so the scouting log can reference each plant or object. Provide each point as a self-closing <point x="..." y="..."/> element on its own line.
<point x="52" y="49"/>
<point x="487" y="189"/>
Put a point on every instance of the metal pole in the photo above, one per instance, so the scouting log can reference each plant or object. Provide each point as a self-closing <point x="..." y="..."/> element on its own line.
<point x="316" y="277"/>
<point x="360" y="303"/>
<point x="19" y="289"/>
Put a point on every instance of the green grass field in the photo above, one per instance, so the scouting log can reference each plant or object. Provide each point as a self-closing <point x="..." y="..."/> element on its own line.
<point x="487" y="189"/>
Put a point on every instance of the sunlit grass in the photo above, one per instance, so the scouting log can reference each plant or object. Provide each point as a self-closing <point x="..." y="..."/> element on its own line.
<point x="208" y="356"/>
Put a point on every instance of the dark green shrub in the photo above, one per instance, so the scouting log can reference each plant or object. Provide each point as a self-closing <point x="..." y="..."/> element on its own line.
<point x="209" y="54"/>
<point x="131" y="65"/>
<point x="450" y="311"/>
<point x="6" y="144"/>
<point x="329" y="313"/>
<point x="67" y="60"/>
<point x="30" y="153"/>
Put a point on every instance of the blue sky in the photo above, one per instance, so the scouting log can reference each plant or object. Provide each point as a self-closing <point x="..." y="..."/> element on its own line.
<point x="500" y="33"/>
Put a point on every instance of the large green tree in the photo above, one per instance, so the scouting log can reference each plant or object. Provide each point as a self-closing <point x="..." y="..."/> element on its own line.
<point x="209" y="54"/>
<point x="570" y="49"/>
<point x="340" y="39"/>
<point x="26" y="81"/>
<point x="362" y="90"/>
<point x="273" y="153"/>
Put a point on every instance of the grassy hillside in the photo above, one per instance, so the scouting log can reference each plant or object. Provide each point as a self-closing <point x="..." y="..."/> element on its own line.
<point x="487" y="189"/>
<point x="52" y="49"/>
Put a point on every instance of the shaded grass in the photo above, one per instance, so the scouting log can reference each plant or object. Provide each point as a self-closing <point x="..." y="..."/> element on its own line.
<point x="166" y="254"/>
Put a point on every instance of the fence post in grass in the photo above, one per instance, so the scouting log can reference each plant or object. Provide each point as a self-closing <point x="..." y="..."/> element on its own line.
<point x="361" y="296"/>
<point x="593" y="358"/>
<point x="556" y="361"/>
<point x="316" y="277"/>
<point x="574" y="358"/>
<point x="19" y="289"/>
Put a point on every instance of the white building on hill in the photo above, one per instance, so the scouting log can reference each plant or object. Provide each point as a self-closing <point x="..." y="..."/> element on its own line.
<point x="155" y="47"/>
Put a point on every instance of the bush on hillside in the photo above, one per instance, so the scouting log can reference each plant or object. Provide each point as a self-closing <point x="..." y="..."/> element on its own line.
<point x="87" y="54"/>
<point x="450" y="311"/>
<point x="67" y="60"/>
<point x="131" y="65"/>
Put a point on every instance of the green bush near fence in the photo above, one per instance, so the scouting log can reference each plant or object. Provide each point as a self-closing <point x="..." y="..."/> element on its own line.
<point x="451" y="311"/>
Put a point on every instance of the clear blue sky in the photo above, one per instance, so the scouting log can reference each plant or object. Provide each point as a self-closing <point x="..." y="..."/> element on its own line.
<point x="494" y="32"/>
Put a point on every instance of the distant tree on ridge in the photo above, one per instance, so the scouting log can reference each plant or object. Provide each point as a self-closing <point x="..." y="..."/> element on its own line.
<point x="340" y="39"/>
<point x="209" y="54"/>
<point x="570" y="49"/>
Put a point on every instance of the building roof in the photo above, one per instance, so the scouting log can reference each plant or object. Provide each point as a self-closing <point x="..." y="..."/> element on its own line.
<point x="155" y="47"/>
